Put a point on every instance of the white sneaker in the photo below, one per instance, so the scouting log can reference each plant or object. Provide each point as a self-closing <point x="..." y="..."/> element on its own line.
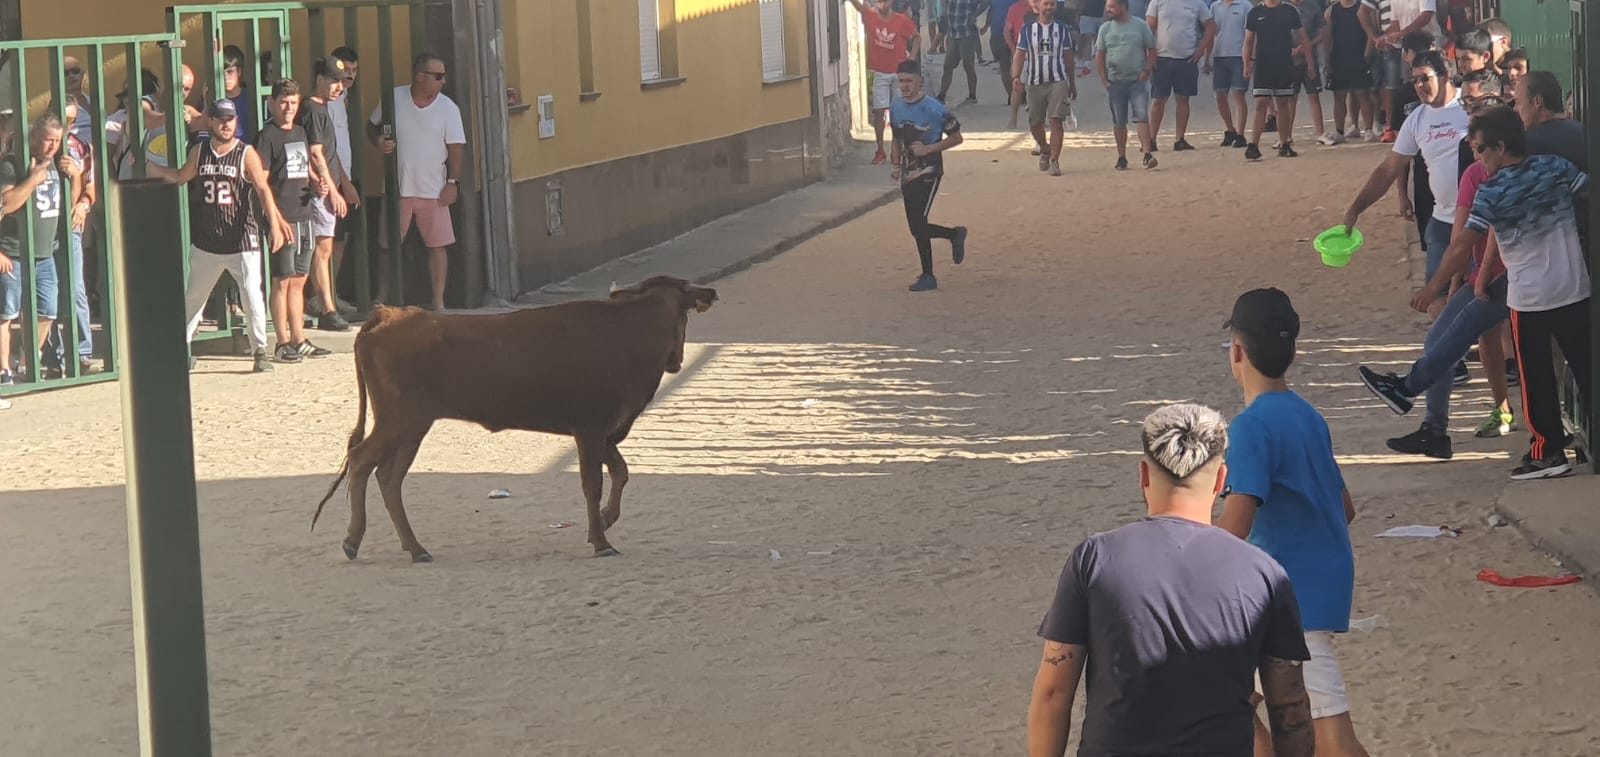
<point x="5" y="404"/>
<point x="1330" y="139"/>
<point x="1374" y="135"/>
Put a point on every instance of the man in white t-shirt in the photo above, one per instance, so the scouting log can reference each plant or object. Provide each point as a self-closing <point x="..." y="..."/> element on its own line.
<point x="1434" y="130"/>
<point x="429" y="138"/>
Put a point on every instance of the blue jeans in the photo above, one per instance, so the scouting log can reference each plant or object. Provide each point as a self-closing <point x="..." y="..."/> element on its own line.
<point x="1130" y="102"/>
<point x="80" y="298"/>
<point x="1436" y="237"/>
<point x="1463" y="319"/>
<point x="44" y="281"/>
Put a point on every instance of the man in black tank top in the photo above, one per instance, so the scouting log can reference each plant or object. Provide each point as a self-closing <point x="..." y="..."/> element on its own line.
<point x="227" y="181"/>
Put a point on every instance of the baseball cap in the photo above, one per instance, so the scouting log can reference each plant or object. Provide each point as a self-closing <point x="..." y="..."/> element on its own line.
<point x="1265" y="312"/>
<point x="223" y="108"/>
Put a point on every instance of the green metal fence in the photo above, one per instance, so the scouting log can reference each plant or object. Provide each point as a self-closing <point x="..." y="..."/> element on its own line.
<point x="26" y="369"/>
<point x="1584" y="24"/>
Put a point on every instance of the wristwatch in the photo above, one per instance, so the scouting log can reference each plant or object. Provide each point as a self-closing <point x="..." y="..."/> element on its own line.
<point x="452" y="181"/>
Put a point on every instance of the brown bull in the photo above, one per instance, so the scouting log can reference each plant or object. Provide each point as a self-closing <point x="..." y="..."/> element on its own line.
<point x="583" y="369"/>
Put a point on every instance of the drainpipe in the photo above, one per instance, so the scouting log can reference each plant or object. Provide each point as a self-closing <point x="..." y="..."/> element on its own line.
<point x="816" y="91"/>
<point x="499" y="222"/>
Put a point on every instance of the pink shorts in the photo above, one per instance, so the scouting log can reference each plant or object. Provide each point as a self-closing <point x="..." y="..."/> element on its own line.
<point x="433" y="221"/>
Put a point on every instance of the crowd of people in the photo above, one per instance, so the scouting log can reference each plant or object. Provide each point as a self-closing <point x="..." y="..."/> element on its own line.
<point x="1186" y="621"/>
<point x="266" y="174"/>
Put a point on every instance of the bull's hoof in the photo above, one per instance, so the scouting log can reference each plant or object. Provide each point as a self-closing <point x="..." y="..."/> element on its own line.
<point x="422" y="557"/>
<point x="349" y="551"/>
<point x="607" y="552"/>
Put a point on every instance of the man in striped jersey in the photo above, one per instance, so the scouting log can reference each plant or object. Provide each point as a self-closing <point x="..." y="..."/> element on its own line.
<point x="1043" y="64"/>
<point x="223" y="172"/>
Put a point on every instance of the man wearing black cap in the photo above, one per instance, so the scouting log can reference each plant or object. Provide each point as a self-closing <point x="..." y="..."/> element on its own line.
<point x="1285" y="494"/>
<point x="223" y="173"/>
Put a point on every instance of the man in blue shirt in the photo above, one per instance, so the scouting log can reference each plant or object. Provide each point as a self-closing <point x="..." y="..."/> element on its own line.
<point x="1285" y="494"/>
<point x="923" y="129"/>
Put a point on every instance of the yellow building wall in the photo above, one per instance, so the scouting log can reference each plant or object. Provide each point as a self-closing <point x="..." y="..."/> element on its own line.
<point x="718" y="56"/>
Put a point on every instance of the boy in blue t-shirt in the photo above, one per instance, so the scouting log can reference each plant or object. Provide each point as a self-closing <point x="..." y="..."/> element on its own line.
<point x="1285" y="494"/>
<point x="923" y="129"/>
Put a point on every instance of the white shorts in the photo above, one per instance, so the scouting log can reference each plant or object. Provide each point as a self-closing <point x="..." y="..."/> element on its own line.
<point x="1324" y="679"/>
<point x="323" y="220"/>
<point x="883" y="88"/>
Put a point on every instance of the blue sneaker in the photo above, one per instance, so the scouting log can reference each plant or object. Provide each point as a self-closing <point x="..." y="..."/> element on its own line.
<point x="925" y="283"/>
<point x="958" y="246"/>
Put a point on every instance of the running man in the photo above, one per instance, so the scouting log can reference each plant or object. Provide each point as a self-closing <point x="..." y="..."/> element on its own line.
<point x="1227" y="68"/>
<point x="891" y="38"/>
<point x="284" y="147"/>
<point x="222" y="173"/>
<point x="1352" y="42"/>
<point x="1125" y="57"/>
<point x="1173" y="620"/>
<point x="1043" y="64"/>
<point x="1528" y="202"/>
<point x="1286" y="495"/>
<point x="1272" y="36"/>
<point x="923" y="129"/>
<point x="1179" y="50"/>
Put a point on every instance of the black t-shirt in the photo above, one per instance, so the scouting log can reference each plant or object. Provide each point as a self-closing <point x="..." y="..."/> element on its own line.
<point x="1274" y="28"/>
<point x="1565" y="137"/>
<point x="318" y="124"/>
<point x="1176" y="617"/>
<point x="287" y="154"/>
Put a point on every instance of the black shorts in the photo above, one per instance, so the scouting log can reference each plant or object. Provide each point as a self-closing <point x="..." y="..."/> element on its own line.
<point x="342" y="226"/>
<point x="1305" y="78"/>
<point x="1349" y="74"/>
<point x="1281" y="80"/>
<point x="295" y="257"/>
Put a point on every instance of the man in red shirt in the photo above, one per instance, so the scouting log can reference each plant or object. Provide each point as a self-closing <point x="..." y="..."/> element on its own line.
<point x="891" y="38"/>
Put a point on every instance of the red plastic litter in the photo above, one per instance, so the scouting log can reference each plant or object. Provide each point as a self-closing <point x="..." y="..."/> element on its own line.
<point x="1526" y="582"/>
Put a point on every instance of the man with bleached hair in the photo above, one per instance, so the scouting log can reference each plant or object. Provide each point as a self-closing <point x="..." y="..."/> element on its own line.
<point x="1173" y="618"/>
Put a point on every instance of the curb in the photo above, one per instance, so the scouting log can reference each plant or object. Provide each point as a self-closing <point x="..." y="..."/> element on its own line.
<point x="795" y="240"/>
<point x="1553" y="547"/>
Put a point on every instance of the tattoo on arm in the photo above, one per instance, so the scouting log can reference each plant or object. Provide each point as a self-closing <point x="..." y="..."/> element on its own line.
<point x="1055" y="657"/>
<point x="1288" y="708"/>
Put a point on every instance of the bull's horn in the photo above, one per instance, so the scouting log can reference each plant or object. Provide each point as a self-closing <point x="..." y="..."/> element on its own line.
<point x="614" y="288"/>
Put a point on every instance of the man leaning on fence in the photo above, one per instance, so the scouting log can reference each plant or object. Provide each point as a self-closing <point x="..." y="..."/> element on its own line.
<point x="38" y="188"/>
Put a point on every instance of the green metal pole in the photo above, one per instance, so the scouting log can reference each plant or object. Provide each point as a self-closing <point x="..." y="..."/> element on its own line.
<point x="169" y="632"/>
<point x="1590" y="60"/>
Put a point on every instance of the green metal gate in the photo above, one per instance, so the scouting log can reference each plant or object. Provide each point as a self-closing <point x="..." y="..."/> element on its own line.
<point x="1545" y="28"/>
<point x="27" y="104"/>
<point x="1584" y="27"/>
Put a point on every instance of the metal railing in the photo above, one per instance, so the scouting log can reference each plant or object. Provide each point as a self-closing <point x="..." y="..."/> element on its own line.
<point x="53" y="359"/>
<point x="1586" y="96"/>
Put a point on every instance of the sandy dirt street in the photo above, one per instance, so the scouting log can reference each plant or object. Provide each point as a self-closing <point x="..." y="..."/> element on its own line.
<point x="846" y="517"/>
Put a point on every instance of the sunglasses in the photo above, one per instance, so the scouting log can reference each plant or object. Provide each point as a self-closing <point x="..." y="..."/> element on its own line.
<point x="1481" y="148"/>
<point x="1423" y="79"/>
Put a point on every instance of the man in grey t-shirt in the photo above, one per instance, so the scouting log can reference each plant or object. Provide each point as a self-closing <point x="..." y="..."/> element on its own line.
<point x="1173" y="618"/>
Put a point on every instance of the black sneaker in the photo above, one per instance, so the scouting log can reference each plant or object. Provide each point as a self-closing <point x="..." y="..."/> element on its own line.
<point x="958" y="246"/>
<point x="307" y="349"/>
<point x="1239" y="141"/>
<point x="1460" y="375"/>
<point x="1387" y="387"/>
<point x="1122" y="163"/>
<point x="332" y="321"/>
<point x="1424" y="441"/>
<point x="1272" y="125"/>
<point x="263" y="364"/>
<point x="1228" y="138"/>
<point x="1287" y="151"/>
<point x="1252" y="152"/>
<point x="1553" y="466"/>
<point x="1181" y="145"/>
<point x="1513" y="372"/>
<point x="1150" y="160"/>
<point x="287" y="353"/>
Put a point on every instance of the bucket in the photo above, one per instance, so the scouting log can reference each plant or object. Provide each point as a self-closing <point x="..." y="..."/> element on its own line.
<point x="1336" y="247"/>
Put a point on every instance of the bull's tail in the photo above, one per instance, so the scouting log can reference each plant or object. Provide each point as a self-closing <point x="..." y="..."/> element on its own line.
<point x="360" y="431"/>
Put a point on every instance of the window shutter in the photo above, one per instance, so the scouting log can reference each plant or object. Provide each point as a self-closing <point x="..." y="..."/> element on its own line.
<point x="649" y="41"/>
<point x="774" y="65"/>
